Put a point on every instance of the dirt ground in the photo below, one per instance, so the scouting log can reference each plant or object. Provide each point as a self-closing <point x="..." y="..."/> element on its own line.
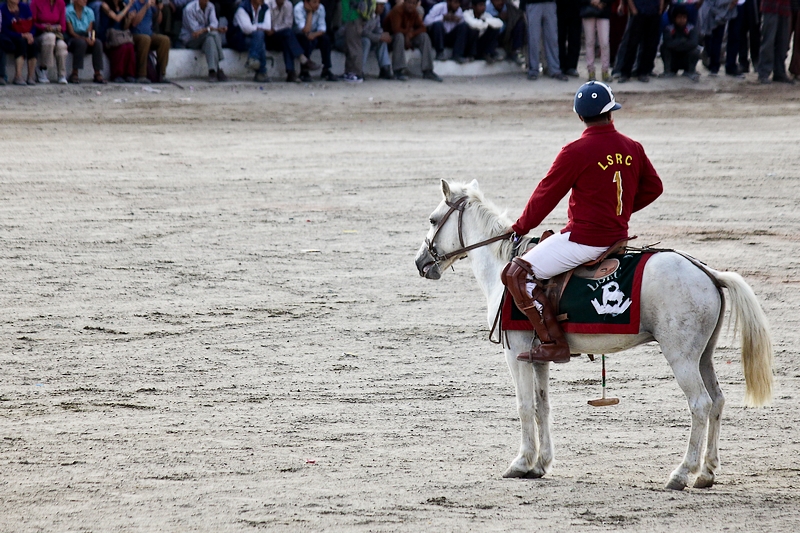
<point x="212" y="320"/>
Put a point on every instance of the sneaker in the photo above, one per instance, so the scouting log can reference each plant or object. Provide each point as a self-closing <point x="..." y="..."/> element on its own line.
<point x="643" y="78"/>
<point x="41" y="75"/>
<point x="221" y="76"/>
<point x="119" y="79"/>
<point x="351" y="77"/>
<point x="252" y="63"/>
<point x="737" y="74"/>
<point x="533" y="76"/>
<point x="572" y="73"/>
<point x="62" y="80"/>
<point x="764" y="81"/>
<point x="592" y="75"/>
<point x="130" y="79"/>
<point x="305" y="77"/>
<point x="560" y="77"/>
<point x="624" y="79"/>
<point x="327" y="75"/>
<point x="694" y="76"/>
<point x="606" y="76"/>
<point x="291" y="77"/>
<point x="460" y="60"/>
<point x="310" y="65"/>
<point x="439" y="56"/>
<point x="19" y="81"/>
<point x="431" y="75"/>
<point x="519" y="58"/>
<point x="668" y="75"/>
<point x="401" y="75"/>
<point x="146" y="81"/>
<point x="261" y="77"/>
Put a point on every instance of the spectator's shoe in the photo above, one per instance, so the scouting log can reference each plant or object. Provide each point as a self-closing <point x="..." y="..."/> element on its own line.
<point x="73" y="79"/>
<point x="19" y="81"/>
<point x="327" y="75"/>
<point x="694" y="76"/>
<point x="737" y="74"/>
<point x="252" y="63"/>
<point x="221" y="76"/>
<point x="519" y="58"/>
<point x="431" y="75"/>
<point x="385" y="74"/>
<point x="624" y="79"/>
<point x="783" y="79"/>
<point x="401" y="75"/>
<point x="164" y="80"/>
<point x="488" y="59"/>
<point x="119" y="79"/>
<point x="310" y="65"/>
<point x="351" y="77"/>
<point x="713" y="74"/>
<point x="533" y="76"/>
<point x="62" y="80"/>
<point x="305" y="76"/>
<point x="439" y="56"/>
<point x="606" y="76"/>
<point x="764" y="81"/>
<point x="592" y="75"/>
<point x="146" y="81"/>
<point x="667" y="75"/>
<point x="212" y="76"/>
<point x="30" y="81"/>
<point x="99" y="79"/>
<point x="41" y="76"/>
<point x="461" y="60"/>
<point x="643" y="78"/>
<point x="3" y="80"/>
<point x="130" y="79"/>
<point x="560" y="77"/>
<point x="261" y="77"/>
<point x="291" y="77"/>
<point x="573" y="73"/>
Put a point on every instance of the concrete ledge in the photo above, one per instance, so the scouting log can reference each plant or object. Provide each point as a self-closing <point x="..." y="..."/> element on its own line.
<point x="187" y="64"/>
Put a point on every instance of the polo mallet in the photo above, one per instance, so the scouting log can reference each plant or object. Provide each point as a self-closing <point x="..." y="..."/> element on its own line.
<point x="601" y="402"/>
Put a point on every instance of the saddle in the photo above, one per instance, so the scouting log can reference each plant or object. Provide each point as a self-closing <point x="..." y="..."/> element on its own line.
<point x="598" y="269"/>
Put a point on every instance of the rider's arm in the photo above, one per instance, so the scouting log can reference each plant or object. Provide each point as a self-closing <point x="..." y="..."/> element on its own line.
<point x="553" y="187"/>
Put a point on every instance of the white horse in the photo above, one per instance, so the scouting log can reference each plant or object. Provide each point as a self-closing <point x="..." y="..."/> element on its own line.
<point x="682" y="309"/>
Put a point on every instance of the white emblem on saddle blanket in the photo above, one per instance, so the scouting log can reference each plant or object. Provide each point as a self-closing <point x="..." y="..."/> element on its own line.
<point x="614" y="300"/>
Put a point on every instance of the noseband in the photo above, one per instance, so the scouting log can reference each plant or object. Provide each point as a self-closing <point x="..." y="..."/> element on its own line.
<point x="458" y="206"/>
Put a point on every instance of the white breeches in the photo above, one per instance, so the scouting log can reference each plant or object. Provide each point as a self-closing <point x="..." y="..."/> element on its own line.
<point x="558" y="254"/>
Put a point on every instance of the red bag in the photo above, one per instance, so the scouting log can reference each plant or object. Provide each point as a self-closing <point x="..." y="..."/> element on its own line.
<point x="21" y="26"/>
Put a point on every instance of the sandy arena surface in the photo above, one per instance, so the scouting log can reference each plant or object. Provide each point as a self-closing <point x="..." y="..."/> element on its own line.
<point x="212" y="319"/>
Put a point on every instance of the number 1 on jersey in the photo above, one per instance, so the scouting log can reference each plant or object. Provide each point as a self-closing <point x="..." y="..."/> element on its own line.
<point x="618" y="181"/>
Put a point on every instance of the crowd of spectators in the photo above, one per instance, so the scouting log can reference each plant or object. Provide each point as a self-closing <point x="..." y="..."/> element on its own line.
<point x="545" y="36"/>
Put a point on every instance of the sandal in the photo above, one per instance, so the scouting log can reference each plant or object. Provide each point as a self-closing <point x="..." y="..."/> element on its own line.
<point x="100" y="80"/>
<point x="73" y="78"/>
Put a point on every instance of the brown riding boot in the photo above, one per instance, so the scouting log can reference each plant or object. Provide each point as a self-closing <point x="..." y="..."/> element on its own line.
<point x="553" y="347"/>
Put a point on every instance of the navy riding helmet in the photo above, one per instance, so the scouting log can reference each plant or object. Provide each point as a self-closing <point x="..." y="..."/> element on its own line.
<point x="593" y="99"/>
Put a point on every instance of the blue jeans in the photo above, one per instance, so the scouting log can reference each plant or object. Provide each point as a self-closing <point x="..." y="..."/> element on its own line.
<point x="285" y="41"/>
<point x="457" y="38"/>
<point x="257" y="48"/>
<point x="381" y="52"/>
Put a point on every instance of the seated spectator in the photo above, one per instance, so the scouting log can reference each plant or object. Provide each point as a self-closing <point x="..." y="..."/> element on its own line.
<point x="81" y="37"/>
<point x="354" y="15"/>
<point x="202" y="31"/>
<point x="140" y="20"/>
<point x="484" y="31"/>
<point x="373" y="38"/>
<point x="172" y="20"/>
<point x="446" y="27"/>
<point x="50" y="22"/>
<point x="596" y="16"/>
<point x="679" y="51"/>
<point x="121" y="55"/>
<point x="310" y="30"/>
<point x="16" y="37"/>
<point x="404" y="24"/>
<point x="512" y="33"/>
<point x="251" y="22"/>
<point x="281" y="38"/>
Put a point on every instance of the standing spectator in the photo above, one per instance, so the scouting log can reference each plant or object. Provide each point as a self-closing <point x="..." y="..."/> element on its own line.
<point x="794" y="65"/>
<point x="750" y="36"/>
<point x="140" y="20"/>
<point x="121" y="56"/>
<point x="201" y="30"/>
<point x="355" y="13"/>
<point x="446" y="28"/>
<point x="734" y="38"/>
<point x="311" y="32"/>
<point x="595" y="15"/>
<point x="619" y="34"/>
<point x="542" y="27"/>
<point x="679" y="51"/>
<point x="643" y="38"/>
<point x="281" y="38"/>
<point x="16" y="37"/>
<point x="714" y="16"/>
<point x="775" y="19"/>
<point x="248" y="33"/>
<point x="50" y="21"/>
<point x="81" y="38"/>
<point x="484" y="31"/>
<point x="569" y="35"/>
<point x="512" y="34"/>
<point x="404" y="23"/>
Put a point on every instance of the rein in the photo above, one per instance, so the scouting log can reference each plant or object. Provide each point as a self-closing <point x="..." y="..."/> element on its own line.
<point x="458" y="206"/>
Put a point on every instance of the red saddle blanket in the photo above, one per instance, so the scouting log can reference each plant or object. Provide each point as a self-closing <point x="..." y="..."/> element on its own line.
<point x="604" y="299"/>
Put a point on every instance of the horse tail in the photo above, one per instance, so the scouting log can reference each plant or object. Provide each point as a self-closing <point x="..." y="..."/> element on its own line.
<point x="751" y="322"/>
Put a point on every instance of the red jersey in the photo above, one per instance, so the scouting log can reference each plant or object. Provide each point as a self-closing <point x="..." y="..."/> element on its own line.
<point x="610" y="177"/>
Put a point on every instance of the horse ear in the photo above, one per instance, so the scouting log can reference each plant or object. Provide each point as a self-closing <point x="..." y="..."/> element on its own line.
<point x="445" y="189"/>
<point x="474" y="185"/>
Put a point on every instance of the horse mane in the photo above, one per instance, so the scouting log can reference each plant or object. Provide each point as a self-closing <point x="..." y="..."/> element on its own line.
<point x="491" y="219"/>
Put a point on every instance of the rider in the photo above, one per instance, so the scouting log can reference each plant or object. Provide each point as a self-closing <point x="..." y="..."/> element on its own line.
<point x="610" y="177"/>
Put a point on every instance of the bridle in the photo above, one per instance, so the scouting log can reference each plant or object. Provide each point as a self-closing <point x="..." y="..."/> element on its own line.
<point x="458" y="206"/>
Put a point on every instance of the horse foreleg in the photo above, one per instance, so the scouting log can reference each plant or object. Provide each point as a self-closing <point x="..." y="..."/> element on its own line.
<point x="689" y="379"/>
<point x="525" y="464"/>
<point x="541" y="384"/>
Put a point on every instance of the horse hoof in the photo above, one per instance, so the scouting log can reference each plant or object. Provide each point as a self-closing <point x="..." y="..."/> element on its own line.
<point x="514" y="473"/>
<point x="703" y="482"/>
<point x="534" y="474"/>
<point x="674" y="484"/>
